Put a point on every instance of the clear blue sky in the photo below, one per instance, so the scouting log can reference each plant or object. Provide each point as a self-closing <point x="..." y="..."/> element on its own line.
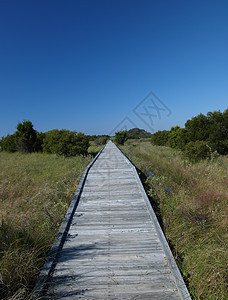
<point x="85" y="65"/>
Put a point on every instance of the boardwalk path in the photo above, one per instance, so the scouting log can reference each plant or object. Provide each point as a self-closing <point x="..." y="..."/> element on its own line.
<point x="115" y="248"/>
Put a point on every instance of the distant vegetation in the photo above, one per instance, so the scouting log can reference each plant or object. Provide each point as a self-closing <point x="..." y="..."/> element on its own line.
<point x="120" y="137"/>
<point x="202" y="137"/>
<point x="99" y="139"/>
<point x="61" y="142"/>
<point x="135" y="133"/>
<point x="190" y="201"/>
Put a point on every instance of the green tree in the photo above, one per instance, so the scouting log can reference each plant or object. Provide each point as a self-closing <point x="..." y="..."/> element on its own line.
<point x="120" y="137"/>
<point x="26" y="136"/>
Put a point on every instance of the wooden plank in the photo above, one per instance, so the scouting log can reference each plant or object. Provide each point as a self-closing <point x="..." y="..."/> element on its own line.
<point x="113" y="249"/>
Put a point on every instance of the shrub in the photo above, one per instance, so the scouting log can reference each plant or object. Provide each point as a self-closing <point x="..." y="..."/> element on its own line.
<point x="120" y="137"/>
<point x="160" y="138"/>
<point x="198" y="128"/>
<point x="196" y="151"/>
<point x="218" y="136"/>
<point x="177" y="138"/>
<point x="212" y="128"/>
<point x="65" y="142"/>
<point x="9" y="143"/>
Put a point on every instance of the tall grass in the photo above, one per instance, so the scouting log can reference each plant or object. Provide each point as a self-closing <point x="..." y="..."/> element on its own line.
<point x="35" y="192"/>
<point x="191" y="201"/>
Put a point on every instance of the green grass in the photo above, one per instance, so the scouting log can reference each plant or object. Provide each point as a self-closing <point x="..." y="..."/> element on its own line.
<point x="35" y="192"/>
<point x="193" y="216"/>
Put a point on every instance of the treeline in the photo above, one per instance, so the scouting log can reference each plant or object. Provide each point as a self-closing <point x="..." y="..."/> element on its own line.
<point x="61" y="142"/>
<point x="201" y="136"/>
<point x="121" y="136"/>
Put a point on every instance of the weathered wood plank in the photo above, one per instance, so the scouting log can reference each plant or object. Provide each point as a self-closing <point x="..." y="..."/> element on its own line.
<point x="114" y="249"/>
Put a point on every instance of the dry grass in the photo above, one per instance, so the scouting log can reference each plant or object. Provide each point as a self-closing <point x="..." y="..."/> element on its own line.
<point x="35" y="192"/>
<point x="194" y="213"/>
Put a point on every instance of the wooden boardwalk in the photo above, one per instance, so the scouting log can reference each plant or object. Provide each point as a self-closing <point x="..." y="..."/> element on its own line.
<point x="114" y="248"/>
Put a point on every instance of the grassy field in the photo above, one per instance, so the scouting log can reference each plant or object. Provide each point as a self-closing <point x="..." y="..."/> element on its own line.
<point x="191" y="204"/>
<point x="35" y="192"/>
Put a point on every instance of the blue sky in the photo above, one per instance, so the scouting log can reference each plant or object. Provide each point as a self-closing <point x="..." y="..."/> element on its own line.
<point x="85" y="65"/>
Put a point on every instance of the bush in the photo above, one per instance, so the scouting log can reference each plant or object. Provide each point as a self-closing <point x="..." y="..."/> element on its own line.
<point x="120" y="137"/>
<point x="218" y="136"/>
<point x="212" y="128"/>
<point x="198" y="128"/>
<point x="196" y="151"/>
<point x="65" y="142"/>
<point x="9" y="143"/>
<point x="177" y="138"/>
<point x="160" y="138"/>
